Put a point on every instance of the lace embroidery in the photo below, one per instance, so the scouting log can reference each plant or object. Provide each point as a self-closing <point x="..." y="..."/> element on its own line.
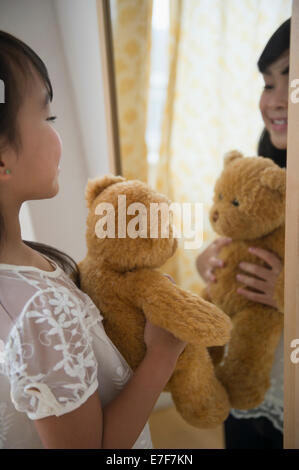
<point x="41" y="379"/>
<point x="266" y="410"/>
<point x="71" y="372"/>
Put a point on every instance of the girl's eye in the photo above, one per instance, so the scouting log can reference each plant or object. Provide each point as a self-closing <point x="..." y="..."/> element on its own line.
<point x="268" y="87"/>
<point x="52" y="118"/>
<point x="235" y="202"/>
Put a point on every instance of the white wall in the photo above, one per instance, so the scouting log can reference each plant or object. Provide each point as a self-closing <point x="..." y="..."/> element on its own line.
<point x="64" y="34"/>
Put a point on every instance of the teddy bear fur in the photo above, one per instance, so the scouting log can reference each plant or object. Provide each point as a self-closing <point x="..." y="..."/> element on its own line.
<point x="121" y="276"/>
<point x="249" y="207"/>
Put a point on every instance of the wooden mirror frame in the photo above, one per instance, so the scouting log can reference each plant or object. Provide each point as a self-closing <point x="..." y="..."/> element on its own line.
<point x="291" y="316"/>
<point x="107" y="61"/>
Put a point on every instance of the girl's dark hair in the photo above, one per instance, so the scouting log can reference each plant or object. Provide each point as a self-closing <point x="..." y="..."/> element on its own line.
<point x="16" y="62"/>
<point x="266" y="149"/>
<point x="277" y="45"/>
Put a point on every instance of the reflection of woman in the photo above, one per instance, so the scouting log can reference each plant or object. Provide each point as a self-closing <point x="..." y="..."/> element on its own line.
<point x="262" y="427"/>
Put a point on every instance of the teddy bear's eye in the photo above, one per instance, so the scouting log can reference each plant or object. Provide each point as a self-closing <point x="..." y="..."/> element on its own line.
<point x="235" y="202"/>
<point x="220" y="196"/>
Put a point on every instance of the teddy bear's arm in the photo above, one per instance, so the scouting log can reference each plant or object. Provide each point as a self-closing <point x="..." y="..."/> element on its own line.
<point x="181" y="312"/>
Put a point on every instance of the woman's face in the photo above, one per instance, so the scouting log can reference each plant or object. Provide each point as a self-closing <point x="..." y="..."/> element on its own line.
<point x="274" y="100"/>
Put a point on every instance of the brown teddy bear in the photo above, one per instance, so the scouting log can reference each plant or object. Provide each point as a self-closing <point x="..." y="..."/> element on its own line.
<point x="249" y="207"/>
<point x="121" y="277"/>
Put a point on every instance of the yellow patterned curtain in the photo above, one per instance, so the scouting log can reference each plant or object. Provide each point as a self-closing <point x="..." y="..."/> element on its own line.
<point x="212" y="103"/>
<point x="131" y="21"/>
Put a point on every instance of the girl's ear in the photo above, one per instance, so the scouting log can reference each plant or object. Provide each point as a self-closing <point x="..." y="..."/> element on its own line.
<point x="231" y="156"/>
<point x="274" y="178"/>
<point x="97" y="185"/>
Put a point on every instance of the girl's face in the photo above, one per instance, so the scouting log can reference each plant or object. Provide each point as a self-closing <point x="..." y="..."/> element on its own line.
<point x="274" y="100"/>
<point x="34" y="172"/>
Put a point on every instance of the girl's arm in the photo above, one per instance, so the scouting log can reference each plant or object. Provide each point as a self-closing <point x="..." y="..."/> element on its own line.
<point x="119" y="423"/>
<point x="125" y="417"/>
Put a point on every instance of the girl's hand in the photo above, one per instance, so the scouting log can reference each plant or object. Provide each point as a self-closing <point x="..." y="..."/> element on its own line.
<point x="162" y="341"/>
<point x="208" y="260"/>
<point x="268" y="277"/>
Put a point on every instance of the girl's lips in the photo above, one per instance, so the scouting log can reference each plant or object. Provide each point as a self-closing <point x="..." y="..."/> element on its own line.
<point x="279" y="125"/>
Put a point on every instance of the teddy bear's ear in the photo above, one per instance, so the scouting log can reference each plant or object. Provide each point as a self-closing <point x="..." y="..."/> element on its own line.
<point x="231" y="156"/>
<point x="274" y="178"/>
<point x="97" y="185"/>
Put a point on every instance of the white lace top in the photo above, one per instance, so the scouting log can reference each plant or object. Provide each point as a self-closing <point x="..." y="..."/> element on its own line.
<point x="54" y="353"/>
<point x="272" y="406"/>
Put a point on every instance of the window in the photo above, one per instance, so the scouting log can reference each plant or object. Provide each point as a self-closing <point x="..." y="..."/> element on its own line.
<point x="158" y="78"/>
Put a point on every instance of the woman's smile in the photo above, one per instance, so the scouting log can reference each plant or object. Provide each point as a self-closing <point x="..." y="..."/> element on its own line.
<point x="279" y="125"/>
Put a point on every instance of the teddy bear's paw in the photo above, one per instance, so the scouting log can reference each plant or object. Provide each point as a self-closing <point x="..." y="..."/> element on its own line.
<point x="213" y="326"/>
<point x="246" y="399"/>
<point x="244" y="391"/>
<point x="201" y="409"/>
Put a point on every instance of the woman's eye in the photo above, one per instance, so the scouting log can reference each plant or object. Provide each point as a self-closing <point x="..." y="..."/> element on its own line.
<point x="268" y="87"/>
<point x="52" y="118"/>
<point x="235" y="202"/>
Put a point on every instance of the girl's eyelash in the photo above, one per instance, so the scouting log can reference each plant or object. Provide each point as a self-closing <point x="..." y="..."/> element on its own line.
<point x="52" y="118"/>
<point x="268" y="87"/>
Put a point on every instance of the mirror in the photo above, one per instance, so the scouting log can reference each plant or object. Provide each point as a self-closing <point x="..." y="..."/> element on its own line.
<point x="188" y="90"/>
<point x="182" y="88"/>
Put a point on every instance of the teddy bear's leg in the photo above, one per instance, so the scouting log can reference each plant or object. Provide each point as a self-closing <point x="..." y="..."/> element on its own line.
<point x="197" y="394"/>
<point x="245" y="371"/>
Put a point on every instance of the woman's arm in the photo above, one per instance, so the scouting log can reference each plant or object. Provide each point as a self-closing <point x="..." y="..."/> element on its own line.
<point x="268" y="277"/>
<point x="267" y="281"/>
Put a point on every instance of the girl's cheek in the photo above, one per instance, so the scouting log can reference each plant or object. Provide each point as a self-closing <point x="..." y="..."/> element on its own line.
<point x="59" y="143"/>
<point x="56" y="143"/>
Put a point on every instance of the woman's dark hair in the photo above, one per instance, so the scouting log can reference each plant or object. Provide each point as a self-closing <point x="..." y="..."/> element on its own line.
<point x="16" y="62"/>
<point x="275" y="47"/>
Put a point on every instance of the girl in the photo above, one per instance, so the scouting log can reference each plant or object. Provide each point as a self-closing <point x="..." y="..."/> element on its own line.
<point x="63" y="384"/>
<point x="262" y="427"/>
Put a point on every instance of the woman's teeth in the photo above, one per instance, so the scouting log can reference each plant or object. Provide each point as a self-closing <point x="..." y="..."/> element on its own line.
<point x="279" y="125"/>
<point x="279" y="121"/>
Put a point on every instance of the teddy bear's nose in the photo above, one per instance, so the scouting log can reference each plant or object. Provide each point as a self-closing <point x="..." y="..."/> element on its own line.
<point x="215" y="216"/>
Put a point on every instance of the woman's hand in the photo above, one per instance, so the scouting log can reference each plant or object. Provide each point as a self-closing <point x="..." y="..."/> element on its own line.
<point x="267" y="277"/>
<point x="208" y="260"/>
